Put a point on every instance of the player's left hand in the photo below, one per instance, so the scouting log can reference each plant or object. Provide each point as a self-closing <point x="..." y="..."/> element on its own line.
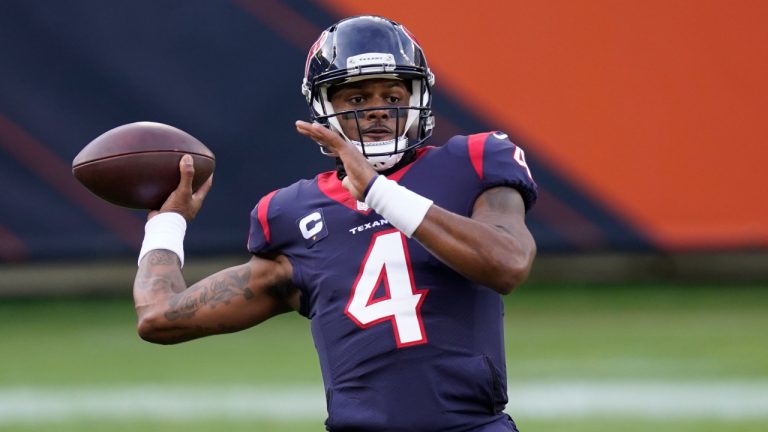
<point x="359" y="171"/>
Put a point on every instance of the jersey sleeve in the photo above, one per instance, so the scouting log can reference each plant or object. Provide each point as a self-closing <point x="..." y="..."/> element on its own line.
<point x="270" y="222"/>
<point x="499" y="162"/>
<point x="260" y="233"/>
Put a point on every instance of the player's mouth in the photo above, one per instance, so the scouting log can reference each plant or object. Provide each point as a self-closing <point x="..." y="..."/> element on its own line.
<point x="377" y="133"/>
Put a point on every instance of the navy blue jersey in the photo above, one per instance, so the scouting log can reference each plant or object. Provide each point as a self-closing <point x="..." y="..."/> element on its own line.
<point x="404" y="342"/>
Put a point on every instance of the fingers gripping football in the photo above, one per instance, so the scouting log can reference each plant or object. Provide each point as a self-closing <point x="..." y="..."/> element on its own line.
<point x="183" y="200"/>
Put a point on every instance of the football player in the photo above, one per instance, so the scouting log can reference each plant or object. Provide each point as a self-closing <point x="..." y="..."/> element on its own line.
<point x="399" y="256"/>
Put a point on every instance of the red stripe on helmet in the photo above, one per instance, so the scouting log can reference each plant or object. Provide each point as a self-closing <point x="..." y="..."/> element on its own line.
<point x="314" y="49"/>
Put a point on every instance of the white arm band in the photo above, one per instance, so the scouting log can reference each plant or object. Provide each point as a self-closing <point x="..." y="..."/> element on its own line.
<point x="165" y="231"/>
<point x="402" y="208"/>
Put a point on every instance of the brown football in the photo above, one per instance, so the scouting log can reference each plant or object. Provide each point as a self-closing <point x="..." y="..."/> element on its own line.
<point x="137" y="165"/>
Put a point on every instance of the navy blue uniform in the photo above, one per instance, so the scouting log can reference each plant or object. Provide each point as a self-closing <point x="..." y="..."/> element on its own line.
<point x="404" y="342"/>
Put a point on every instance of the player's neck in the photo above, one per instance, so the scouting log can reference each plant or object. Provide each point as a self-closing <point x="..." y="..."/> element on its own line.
<point x="407" y="158"/>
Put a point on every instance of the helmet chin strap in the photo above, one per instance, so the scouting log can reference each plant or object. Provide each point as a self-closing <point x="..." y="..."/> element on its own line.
<point x="382" y="162"/>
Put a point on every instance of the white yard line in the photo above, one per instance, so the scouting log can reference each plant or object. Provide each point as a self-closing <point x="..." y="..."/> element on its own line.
<point x="642" y="399"/>
<point x="724" y="400"/>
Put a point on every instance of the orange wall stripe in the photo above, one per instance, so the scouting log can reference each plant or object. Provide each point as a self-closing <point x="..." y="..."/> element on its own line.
<point x="657" y="108"/>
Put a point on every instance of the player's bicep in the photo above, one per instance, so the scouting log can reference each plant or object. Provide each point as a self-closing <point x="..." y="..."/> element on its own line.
<point x="502" y="207"/>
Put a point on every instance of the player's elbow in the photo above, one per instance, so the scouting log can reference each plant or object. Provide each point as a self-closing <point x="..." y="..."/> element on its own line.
<point x="148" y="330"/>
<point x="152" y="328"/>
<point x="513" y="271"/>
<point x="512" y="278"/>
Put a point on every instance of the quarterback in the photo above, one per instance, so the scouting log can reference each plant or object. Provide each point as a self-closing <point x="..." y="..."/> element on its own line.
<point x="399" y="256"/>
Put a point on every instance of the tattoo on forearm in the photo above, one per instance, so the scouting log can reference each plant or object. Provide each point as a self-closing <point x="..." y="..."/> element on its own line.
<point x="211" y="292"/>
<point x="162" y="257"/>
<point x="159" y="272"/>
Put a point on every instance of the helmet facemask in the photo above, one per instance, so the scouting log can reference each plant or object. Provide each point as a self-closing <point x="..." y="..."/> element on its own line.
<point x="411" y="121"/>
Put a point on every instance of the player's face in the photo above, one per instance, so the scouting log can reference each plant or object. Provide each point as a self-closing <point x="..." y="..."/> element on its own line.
<point x="374" y="125"/>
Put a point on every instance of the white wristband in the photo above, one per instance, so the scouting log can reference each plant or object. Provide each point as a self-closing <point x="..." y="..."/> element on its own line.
<point x="165" y="231"/>
<point x="402" y="208"/>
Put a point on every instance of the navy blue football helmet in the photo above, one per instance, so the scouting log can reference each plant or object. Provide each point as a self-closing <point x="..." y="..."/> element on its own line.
<point x="367" y="47"/>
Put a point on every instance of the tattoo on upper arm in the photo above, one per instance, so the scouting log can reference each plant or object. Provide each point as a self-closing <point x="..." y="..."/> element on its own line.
<point x="211" y="292"/>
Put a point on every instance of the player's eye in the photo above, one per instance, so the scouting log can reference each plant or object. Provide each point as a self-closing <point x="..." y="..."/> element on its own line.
<point x="356" y="100"/>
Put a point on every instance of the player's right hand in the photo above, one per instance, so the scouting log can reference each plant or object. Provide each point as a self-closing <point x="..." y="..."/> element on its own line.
<point x="183" y="200"/>
<point x="359" y="171"/>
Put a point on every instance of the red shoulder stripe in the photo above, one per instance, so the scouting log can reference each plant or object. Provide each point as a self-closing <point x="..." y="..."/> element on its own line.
<point x="475" y="146"/>
<point x="263" y="207"/>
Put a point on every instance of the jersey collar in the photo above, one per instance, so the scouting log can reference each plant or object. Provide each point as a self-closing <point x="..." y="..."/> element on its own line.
<point x="330" y="185"/>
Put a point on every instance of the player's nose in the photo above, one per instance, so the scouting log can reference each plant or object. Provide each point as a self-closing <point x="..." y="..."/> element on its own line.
<point x="380" y="113"/>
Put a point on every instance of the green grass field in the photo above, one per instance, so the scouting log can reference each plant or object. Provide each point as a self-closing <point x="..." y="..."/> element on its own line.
<point x="665" y="335"/>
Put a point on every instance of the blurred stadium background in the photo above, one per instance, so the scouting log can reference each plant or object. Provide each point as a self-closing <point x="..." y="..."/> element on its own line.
<point x="644" y="124"/>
